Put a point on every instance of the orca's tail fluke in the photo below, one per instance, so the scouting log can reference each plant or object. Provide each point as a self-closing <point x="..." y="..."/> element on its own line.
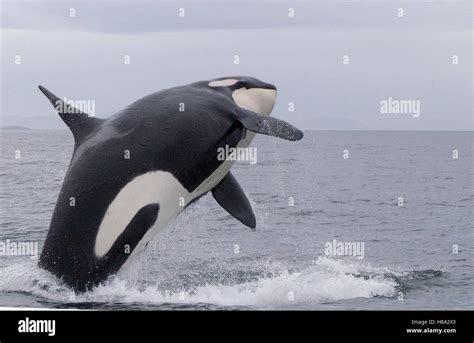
<point x="80" y="123"/>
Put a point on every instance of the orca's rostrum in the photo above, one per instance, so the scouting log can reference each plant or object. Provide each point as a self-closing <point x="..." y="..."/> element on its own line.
<point x="132" y="173"/>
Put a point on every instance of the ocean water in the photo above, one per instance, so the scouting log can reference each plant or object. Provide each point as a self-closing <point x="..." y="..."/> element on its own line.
<point x="207" y="260"/>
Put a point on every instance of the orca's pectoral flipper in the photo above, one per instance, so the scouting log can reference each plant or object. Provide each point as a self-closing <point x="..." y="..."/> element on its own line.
<point x="80" y="123"/>
<point x="232" y="198"/>
<point x="268" y="125"/>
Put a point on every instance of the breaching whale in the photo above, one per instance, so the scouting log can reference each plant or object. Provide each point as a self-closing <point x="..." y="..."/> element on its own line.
<point x="132" y="173"/>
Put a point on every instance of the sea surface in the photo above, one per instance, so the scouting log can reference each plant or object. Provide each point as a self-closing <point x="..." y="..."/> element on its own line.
<point x="417" y="254"/>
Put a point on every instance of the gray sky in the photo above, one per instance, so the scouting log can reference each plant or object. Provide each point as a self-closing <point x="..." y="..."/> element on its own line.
<point x="408" y="58"/>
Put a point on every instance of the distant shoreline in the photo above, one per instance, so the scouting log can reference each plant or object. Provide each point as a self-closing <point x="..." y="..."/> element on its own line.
<point x="13" y="127"/>
<point x="24" y="128"/>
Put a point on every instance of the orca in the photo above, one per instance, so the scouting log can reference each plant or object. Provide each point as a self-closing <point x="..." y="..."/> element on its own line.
<point x="133" y="173"/>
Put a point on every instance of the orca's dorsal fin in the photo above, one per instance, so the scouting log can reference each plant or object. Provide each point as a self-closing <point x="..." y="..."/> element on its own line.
<point x="268" y="125"/>
<point x="232" y="198"/>
<point x="80" y="123"/>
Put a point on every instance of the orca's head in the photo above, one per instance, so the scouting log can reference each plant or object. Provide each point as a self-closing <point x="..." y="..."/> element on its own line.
<point x="249" y="93"/>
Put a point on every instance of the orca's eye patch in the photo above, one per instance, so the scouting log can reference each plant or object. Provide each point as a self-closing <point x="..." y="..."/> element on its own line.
<point x="223" y="83"/>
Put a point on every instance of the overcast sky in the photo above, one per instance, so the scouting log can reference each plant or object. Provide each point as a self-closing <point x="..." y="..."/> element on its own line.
<point x="82" y="57"/>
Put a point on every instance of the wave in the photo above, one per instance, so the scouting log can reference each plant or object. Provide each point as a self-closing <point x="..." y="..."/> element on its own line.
<point x="325" y="280"/>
